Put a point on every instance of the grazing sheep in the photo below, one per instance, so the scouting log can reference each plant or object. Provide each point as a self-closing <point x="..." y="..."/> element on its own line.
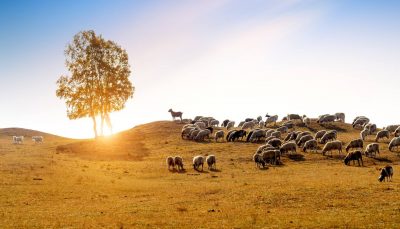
<point x="229" y="134"/>
<point x="370" y="127"/>
<point x="236" y="135"/>
<point x="200" y="125"/>
<point x="188" y="125"/>
<point x="197" y="118"/>
<point x="210" y="129"/>
<point x="248" y="119"/>
<point x="382" y="134"/>
<point x="262" y="147"/>
<point x="219" y="134"/>
<point x="361" y="122"/>
<point x="391" y="128"/>
<point x="386" y="172"/>
<point x="359" y="117"/>
<point x="372" y="148"/>
<point x="310" y="144"/>
<point x="288" y="147"/>
<point x="202" y="135"/>
<point x="175" y="114"/>
<point x="259" y="118"/>
<point x="354" y="144"/>
<point x="319" y="134"/>
<point x="18" y="139"/>
<point x="395" y="142"/>
<point x="300" y="135"/>
<point x="225" y="122"/>
<point x="271" y="156"/>
<point x="178" y="161"/>
<point x="276" y="134"/>
<point x="197" y="161"/>
<point x="258" y="159"/>
<point x="397" y="132"/>
<point x="292" y="136"/>
<point x="214" y="123"/>
<point x="306" y="121"/>
<point x="193" y="134"/>
<point x="248" y="125"/>
<point x="326" y="119"/>
<point x="304" y="139"/>
<point x="187" y="120"/>
<point x="340" y="116"/>
<point x="211" y="162"/>
<point x="241" y="123"/>
<point x="261" y="124"/>
<point x="354" y="156"/>
<point x="334" y="145"/>
<point x="288" y="124"/>
<point x="257" y="135"/>
<point x="37" y="139"/>
<point x="170" y="163"/>
<point x="269" y="138"/>
<point x="328" y="136"/>
<point x="293" y="117"/>
<point x="275" y="142"/>
<point x="185" y="133"/>
<point x="363" y="134"/>
<point x="269" y="132"/>
<point x="271" y="119"/>
<point x="283" y="129"/>
<point x="230" y="124"/>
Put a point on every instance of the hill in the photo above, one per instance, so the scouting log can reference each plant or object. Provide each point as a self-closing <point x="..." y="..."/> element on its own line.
<point x="9" y="132"/>
<point x="123" y="181"/>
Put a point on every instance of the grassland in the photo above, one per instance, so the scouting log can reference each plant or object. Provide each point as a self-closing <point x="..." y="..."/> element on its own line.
<point x="123" y="181"/>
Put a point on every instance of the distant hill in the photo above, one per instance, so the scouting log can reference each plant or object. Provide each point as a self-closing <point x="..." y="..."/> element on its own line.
<point x="14" y="131"/>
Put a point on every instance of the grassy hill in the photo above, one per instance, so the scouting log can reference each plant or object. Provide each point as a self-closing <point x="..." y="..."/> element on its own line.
<point x="123" y="181"/>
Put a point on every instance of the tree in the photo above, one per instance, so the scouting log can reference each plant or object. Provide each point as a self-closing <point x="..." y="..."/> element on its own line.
<point x="99" y="83"/>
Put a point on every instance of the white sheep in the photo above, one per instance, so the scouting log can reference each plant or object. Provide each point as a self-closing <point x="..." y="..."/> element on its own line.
<point x="340" y="116"/>
<point x="271" y="119"/>
<point x="37" y="139"/>
<point x="288" y="147"/>
<point x="306" y="121"/>
<point x="372" y="148"/>
<point x="214" y="123"/>
<point x="202" y="135"/>
<point x="310" y="144"/>
<point x="230" y="124"/>
<point x="261" y="124"/>
<point x="211" y="162"/>
<point x="391" y="128"/>
<point x="248" y="125"/>
<point x="175" y="114"/>
<point x="197" y="161"/>
<point x="363" y="134"/>
<point x="394" y="143"/>
<point x="326" y="119"/>
<point x="18" y="139"/>
<point x="219" y="134"/>
<point x="334" y="145"/>
<point x="200" y="125"/>
<point x="382" y="134"/>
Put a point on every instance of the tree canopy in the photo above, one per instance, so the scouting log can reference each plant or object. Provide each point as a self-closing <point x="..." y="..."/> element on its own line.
<point x="99" y="82"/>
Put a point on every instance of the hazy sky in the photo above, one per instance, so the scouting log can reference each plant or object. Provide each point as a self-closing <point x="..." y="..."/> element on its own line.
<point x="222" y="58"/>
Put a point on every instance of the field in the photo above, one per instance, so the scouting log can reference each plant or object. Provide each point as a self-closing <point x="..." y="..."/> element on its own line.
<point x="123" y="182"/>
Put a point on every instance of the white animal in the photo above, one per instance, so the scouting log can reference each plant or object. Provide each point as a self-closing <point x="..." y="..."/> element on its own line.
<point x="18" y="139"/>
<point x="37" y="139"/>
<point x="211" y="162"/>
<point x="197" y="161"/>
<point x="230" y="124"/>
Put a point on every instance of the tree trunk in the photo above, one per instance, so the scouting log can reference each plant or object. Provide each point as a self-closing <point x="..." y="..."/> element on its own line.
<point x="94" y="126"/>
<point x="108" y="122"/>
<point x="102" y="125"/>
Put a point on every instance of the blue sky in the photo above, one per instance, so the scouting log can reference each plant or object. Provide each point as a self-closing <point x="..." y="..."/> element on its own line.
<point x="229" y="59"/>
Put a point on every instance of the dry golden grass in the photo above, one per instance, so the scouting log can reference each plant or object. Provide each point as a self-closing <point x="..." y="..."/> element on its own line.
<point x="123" y="181"/>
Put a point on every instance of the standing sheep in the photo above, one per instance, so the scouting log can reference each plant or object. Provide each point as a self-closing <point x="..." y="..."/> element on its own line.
<point x="248" y="125"/>
<point x="397" y="132"/>
<point x="214" y="123"/>
<point x="211" y="162"/>
<point x="340" y="116"/>
<point x="354" y="156"/>
<point x="219" y="134"/>
<point x="334" y="145"/>
<point x="197" y="161"/>
<point x="271" y="156"/>
<point x="175" y="114"/>
<point x="395" y="142"/>
<point x="326" y="119"/>
<point x="271" y="119"/>
<point x="230" y="124"/>
<point x="382" y="134"/>
<point x="354" y="144"/>
<point x="170" y="163"/>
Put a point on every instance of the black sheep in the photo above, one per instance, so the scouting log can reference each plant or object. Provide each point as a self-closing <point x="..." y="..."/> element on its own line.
<point x="236" y="135"/>
<point x="386" y="172"/>
<point x="354" y="156"/>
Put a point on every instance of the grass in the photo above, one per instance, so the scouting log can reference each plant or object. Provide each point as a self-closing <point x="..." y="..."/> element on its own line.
<point x="123" y="181"/>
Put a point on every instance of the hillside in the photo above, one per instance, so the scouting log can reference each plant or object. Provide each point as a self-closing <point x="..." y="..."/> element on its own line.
<point x="123" y="181"/>
<point x="9" y="132"/>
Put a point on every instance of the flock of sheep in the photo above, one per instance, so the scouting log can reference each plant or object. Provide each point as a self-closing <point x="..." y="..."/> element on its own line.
<point x="20" y="139"/>
<point x="267" y="131"/>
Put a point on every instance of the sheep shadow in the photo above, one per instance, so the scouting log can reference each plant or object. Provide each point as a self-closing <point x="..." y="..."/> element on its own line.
<point x="174" y="170"/>
<point x="296" y="157"/>
<point x="215" y="170"/>
<point x="382" y="159"/>
<point x="332" y="127"/>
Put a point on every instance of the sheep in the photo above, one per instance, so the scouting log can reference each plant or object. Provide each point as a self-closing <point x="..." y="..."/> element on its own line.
<point x="230" y="124"/>
<point x="310" y="144"/>
<point x="269" y="138"/>
<point x="340" y="117"/>
<point x="202" y="135"/>
<point x="214" y="123"/>
<point x="178" y="161"/>
<point x="170" y="163"/>
<point x="293" y="117"/>
<point x="304" y="139"/>
<point x="271" y="119"/>
<point x="248" y="119"/>
<point x="292" y="136"/>
<point x="197" y="118"/>
<point x="193" y="134"/>
<point x="395" y="142"/>
<point x="259" y="118"/>
<point x="289" y="124"/>
<point x="275" y="142"/>
<point x="200" y="124"/>
<point x="225" y="122"/>
<point x="248" y="125"/>
<point x="261" y="124"/>
<point x="382" y="134"/>
<point x="37" y="139"/>
<point x="187" y="120"/>
<point x="219" y="134"/>
<point x="319" y="134"/>
<point x="271" y="156"/>
<point x="359" y="117"/>
<point x="175" y="114"/>
<point x="188" y="125"/>
<point x="334" y="145"/>
<point x="357" y="143"/>
<point x="363" y="134"/>
<point x="386" y="172"/>
<point x="257" y="135"/>
<point x="186" y="132"/>
<point x="288" y="147"/>
<point x="258" y="159"/>
<point x="354" y="156"/>
<point x="276" y="134"/>
<point x="397" y="132"/>
<point x="229" y="134"/>
<point x="328" y="136"/>
<point x="18" y="139"/>
<point x="300" y="135"/>
<point x="262" y="147"/>
<point x="372" y="148"/>
<point x="360" y="122"/>
<point x="241" y="123"/>
<point x="211" y="162"/>
<point x="306" y="121"/>
<point x="236" y="135"/>
<point x="370" y="127"/>
<point x="269" y="132"/>
<point x="391" y="128"/>
<point x="326" y="119"/>
<point x="282" y="129"/>
<point x="197" y="161"/>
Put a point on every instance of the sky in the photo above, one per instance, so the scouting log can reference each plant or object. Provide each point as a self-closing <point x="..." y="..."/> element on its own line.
<point x="228" y="59"/>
